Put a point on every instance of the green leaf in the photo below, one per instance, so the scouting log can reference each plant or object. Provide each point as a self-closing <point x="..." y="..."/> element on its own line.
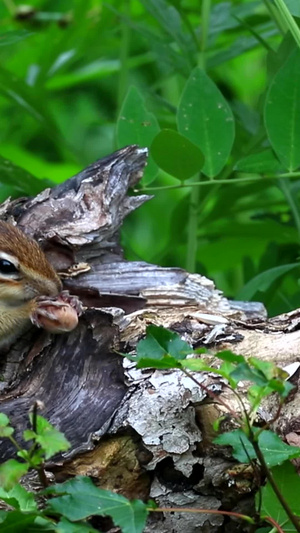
<point x="275" y="376"/>
<point x="260" y="163"/>
<point x="65" y="526"/>
<point x="41" y="524"/>
<point x="160" y="343"/>
<point x="274" y="450"/>
<point x="244" y="372"/>
<point x="165" y="363"/>
<point x="95" y="70"/>
<point x="10" y="500"/>
<point x="226" y="370"/>
<point x="294" y="7"/>
<point x="10" y="473"/>
<point x="255" y="394"/>
<point x="30" y="101"/>
<point x="205" y="118"/>
<point x="263" y="281"/>
<point x="169" y="19"/>
<point x="275" y="59"/>
<point x="176" y="155"/>
<point x="283" y="389"/>
<point x="36" y="168"/>
<point x="25" y="499"/>
<point x="49" y="438"/>
<point x="100" y="68"/>
<point x="136" y="125"/>
<point x="264" y="530"/>
<point x="197" y="365"/>
<point x="5" y="429"/>
<point x="247" y="117"/>
<point x="29" y="434"/>
<point x="80" y="499"/>
<point x="19" y="498"/>
<point x="239" y="46"/>
<point x="22" y="181"/>
<point x="4" y="420"/>
<point x="269" y="369"/>
<point x="282" y="112"/>
<point x="230" y="357"/>
<point x="19" y="522"/>
<point x="288" y="482"/>
<point x="11" y="37"/>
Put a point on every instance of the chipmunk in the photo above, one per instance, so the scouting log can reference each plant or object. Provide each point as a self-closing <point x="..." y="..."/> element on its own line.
<point x="30" y="289"/>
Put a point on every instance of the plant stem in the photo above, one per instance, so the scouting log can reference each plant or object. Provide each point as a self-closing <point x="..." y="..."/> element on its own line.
<point x="209" y="511"/>
<point x="239" y="399"/>
<point x="212" y="395"/>
<point x="276" y="527"/>
<point x="201" y="511"/>
<point x="124" y="53"/>
<point x="195" y="184"/>
<point x="284" y="175"/>
<point x="42" y="476"/>
<point x="34" y="417"/>
<point x="247" y="178"/>
<point x="273" y="11"/>
<point x="205" y="16"/>
<point x="192" y="230"/>
<point x="258" y="37"/>
<point x="192" y="240"/>
<point x="292" y="203"/>
<point x="40" y="468"/>
<point x="10" y="5"/>
<point x="288" y="19"/>
<point x="14" y="442"/>
<point x="266" y="471"/>
<point x="268" y="424"/>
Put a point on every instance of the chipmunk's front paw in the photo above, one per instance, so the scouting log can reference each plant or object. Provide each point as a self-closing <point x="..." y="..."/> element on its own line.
<point x="56" y="314"/>
<point x="72" y="300"/>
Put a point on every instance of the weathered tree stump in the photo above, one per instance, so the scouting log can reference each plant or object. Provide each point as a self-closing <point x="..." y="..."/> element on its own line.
<point x="142" y="433"/>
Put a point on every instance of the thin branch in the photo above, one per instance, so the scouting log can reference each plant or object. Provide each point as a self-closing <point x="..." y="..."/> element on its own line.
<point x="201" y="511"/>
<point x="212" y="395"/>
<point x="266" y="471"/>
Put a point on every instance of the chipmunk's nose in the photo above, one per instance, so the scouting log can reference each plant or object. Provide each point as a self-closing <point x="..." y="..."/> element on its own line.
<point x="41" y="286"/>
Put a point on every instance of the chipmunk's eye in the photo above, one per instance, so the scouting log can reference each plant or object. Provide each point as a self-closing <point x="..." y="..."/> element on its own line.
<point x="6" y="267"/>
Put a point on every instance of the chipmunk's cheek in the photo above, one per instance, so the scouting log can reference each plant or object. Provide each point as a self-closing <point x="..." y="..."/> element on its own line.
<point x="56" y="319"/>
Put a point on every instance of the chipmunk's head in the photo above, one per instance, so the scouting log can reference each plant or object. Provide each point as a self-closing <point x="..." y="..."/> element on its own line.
<point x="25" y="271"/>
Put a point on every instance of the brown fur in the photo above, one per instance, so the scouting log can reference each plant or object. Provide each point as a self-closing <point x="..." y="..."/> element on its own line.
<point x="18" y="296"/>
<point x="13" y="241"/>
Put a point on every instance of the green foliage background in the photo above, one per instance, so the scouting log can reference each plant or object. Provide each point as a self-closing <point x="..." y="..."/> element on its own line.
<point x="70" y="68"/>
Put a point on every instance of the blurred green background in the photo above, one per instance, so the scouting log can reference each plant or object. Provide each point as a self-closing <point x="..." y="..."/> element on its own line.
<point x="66" y="68"/>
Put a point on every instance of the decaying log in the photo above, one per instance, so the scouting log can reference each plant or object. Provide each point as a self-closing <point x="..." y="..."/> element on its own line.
<point x="142" y="433"/>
